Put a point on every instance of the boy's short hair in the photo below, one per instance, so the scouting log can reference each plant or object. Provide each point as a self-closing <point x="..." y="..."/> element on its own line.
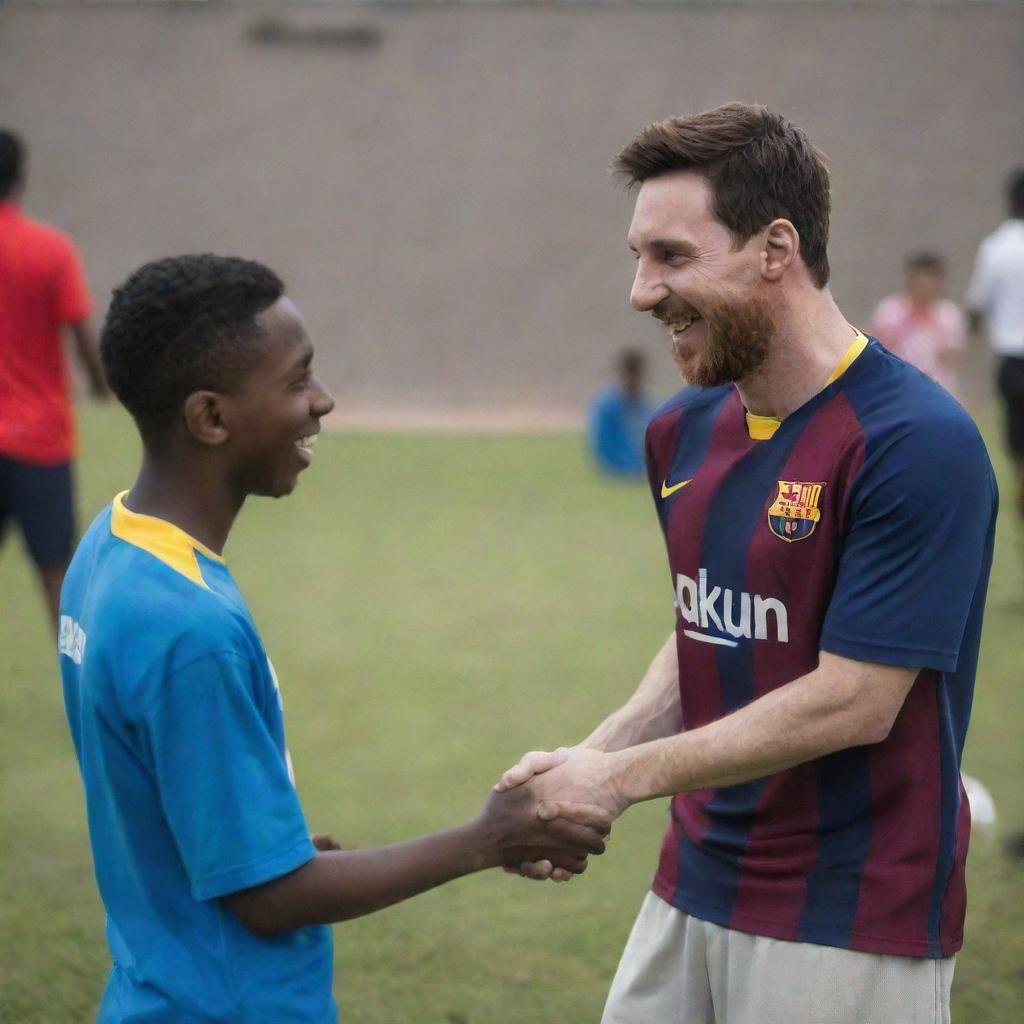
<point x="179" y="325"/>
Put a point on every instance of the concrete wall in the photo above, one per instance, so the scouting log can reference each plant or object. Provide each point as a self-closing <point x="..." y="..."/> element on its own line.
<point x="439" y="203"/>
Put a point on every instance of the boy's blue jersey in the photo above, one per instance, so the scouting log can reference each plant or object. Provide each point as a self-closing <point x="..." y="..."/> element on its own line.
<point x="176" y="719"/>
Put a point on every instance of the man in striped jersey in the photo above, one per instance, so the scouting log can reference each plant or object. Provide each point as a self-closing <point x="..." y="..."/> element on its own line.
<point x="828" y="513"/>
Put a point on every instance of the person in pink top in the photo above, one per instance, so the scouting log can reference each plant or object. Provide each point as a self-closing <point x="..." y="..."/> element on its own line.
<point x="921" y="326"/>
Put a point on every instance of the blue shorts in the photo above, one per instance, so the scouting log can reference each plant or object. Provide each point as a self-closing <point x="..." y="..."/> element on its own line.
<point x="41" y="500"/>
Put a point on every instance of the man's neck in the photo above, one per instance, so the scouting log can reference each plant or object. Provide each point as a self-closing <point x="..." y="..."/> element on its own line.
<point x="202" y="507"/>
<point x="811" y="339"/>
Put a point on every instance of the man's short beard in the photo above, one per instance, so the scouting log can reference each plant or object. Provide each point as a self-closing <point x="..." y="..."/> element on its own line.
<point x="739" y="337"/>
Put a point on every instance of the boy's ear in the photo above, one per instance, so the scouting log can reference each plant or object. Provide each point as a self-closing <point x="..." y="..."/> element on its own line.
<point x="204" y="417"/>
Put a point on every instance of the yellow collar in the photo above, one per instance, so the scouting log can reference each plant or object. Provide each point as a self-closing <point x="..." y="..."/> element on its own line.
<point x="163" y="540"/>
<point x="761" y="428"/>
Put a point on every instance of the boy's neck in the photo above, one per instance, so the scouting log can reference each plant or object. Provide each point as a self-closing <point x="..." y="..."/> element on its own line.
<point x="205" y="509"/>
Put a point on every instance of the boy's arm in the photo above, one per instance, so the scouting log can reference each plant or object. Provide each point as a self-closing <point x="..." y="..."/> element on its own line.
<point x="233" y="811"/>
<point x="340" y="884"/>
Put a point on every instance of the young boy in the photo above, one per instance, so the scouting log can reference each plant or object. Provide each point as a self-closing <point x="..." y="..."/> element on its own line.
<point x="216" y="895"/>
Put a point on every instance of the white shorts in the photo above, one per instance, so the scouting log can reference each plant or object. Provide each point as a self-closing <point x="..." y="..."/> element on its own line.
<point x="677" y="969"/>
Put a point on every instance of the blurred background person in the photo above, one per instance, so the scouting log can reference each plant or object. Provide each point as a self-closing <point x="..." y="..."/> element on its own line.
<point x="921" y="325"/>
<point x="42" y="290"/>
<point x="996" y="298"/>
<point x="618" y="418"/>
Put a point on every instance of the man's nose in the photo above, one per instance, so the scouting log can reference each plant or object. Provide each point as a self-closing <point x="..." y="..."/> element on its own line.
<point x="648" y="290"/>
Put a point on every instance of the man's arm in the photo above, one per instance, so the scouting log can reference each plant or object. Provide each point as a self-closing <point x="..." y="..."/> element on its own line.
<point x="89" y="356"/>
<point x="842" y="703"/>
<point x="337" y="885"/>
<point x="652" y="712"/>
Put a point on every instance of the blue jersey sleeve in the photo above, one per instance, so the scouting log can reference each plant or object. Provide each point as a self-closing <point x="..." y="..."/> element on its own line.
<point x="920" y="515"/>
<point x="223" y="779"/>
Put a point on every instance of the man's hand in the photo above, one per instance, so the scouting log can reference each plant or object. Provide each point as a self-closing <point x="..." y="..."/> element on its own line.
<point x="536" y="762"/>
<point x="519" y="829"/>
<point x="569" y="775"/>
<point x="573" y="776"/>
<point x="584" y="779"/>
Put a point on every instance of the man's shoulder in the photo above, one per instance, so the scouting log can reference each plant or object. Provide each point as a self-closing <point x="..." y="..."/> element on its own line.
<point x="904" y="414"/>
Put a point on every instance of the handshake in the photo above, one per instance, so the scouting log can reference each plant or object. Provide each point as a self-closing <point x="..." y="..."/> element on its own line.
<point x="549" y="812"/>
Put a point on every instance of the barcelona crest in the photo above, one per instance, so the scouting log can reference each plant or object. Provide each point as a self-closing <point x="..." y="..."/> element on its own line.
<point x="794" y="513"/>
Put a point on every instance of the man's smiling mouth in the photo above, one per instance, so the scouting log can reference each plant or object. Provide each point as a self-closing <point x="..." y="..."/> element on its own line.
<point x="680" y="325"/>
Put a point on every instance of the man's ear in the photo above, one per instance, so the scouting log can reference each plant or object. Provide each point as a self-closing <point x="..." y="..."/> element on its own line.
<point x="204" y="417"/>
<point x="781" y="246"/>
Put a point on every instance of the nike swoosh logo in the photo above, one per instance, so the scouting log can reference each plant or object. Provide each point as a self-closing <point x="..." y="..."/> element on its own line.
<point x="666" y="490"/>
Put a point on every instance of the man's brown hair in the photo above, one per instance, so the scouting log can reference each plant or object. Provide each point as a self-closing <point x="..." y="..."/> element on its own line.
<point x="758" y="165"/>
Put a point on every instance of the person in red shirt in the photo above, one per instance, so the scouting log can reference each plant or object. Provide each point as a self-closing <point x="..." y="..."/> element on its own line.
<point x="42" y="291"/>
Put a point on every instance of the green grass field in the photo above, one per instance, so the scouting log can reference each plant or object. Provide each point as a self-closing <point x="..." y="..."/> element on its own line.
<point x="434" y="606"/>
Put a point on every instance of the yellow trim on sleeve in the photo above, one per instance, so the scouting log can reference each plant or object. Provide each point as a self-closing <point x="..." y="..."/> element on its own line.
<point x="161" y="539"/>
<point x="762" y="428"/>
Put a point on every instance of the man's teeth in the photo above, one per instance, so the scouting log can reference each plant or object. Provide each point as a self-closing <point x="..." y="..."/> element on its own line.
<point x="307" y="442"/>
<point x="682" y="325"/>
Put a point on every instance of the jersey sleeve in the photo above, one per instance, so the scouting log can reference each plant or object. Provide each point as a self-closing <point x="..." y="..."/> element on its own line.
<point x="71" y="293"/>
<point x="223" y="781"/>
<point x="921" y="510"/>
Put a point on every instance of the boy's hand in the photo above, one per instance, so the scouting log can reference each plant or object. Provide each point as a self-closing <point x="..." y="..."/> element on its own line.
<point x="515" y="831"/>
<point x="324" y="841"/>
<point x="575" y="774"/>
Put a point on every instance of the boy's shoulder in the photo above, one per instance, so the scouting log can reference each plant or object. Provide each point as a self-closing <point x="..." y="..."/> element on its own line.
<point x="148" y="611"/>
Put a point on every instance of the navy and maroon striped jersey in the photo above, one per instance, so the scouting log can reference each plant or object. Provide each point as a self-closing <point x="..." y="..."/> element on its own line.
<point x="863" y="526"/>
